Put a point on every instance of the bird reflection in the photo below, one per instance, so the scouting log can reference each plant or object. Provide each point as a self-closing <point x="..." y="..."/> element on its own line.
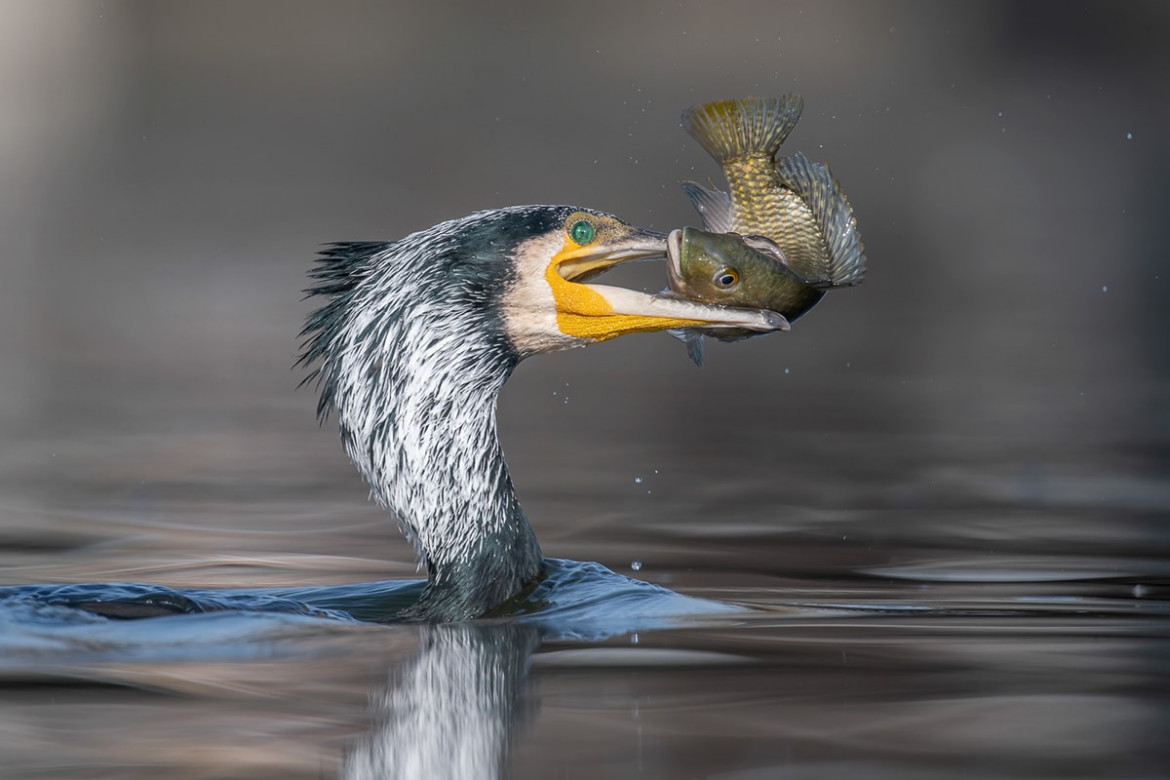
<point x="450" y="711"/>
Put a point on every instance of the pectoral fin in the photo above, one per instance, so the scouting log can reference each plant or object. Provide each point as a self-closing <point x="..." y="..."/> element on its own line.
<point x="714" y="206"/>
<point x="693" y="338"/>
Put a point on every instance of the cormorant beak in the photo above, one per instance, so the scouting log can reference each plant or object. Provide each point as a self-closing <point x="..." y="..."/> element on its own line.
<point x="599" y="312"/>
<point x="582" y="263"/>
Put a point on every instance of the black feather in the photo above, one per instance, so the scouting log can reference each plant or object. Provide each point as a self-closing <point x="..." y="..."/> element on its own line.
<point x="340" y="268"/>
<point x="465" y="265"/>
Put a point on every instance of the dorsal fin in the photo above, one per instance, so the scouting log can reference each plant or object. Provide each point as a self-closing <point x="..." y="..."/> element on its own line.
<point x="749" y="127"/>
<point x="814" y="184"/>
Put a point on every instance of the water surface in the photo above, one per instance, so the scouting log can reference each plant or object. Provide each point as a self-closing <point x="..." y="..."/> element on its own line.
<point x="989" y="621"/>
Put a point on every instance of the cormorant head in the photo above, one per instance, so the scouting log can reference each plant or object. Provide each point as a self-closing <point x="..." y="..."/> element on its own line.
<point x="549" y="304"/>
<point x="501" y="284"/>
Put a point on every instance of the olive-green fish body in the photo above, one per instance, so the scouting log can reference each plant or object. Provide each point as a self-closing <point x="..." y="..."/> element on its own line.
<point x="793" y="202"/>
<point x="761" y="206"/>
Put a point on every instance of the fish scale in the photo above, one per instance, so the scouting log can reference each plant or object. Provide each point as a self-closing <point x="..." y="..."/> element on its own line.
<point x="793" y="202"/>
<point x="765" y="209"/>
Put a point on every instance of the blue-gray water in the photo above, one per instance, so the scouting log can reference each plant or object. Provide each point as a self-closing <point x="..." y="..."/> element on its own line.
<point x="940" y="502"/>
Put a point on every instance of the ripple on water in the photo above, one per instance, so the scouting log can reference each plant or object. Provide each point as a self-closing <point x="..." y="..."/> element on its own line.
<point x="577" y="600"/>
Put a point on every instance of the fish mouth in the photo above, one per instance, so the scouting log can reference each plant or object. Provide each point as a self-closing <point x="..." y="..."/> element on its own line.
<point x="596" y="312"/>
<point x="674" y="274"/>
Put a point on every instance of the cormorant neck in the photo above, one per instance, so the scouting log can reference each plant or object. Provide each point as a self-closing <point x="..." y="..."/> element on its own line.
<point x="411" y="353"/>
<point x="434" y="459"/>
<point x="414" y="383"/>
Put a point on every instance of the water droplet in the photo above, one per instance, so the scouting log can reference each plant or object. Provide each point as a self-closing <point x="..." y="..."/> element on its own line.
<point x="637" y="480"/>
<point x="633" y="639"/>
<point x="1104" y="288"/>
<point x="1129" y="136"/>
<point x="636" y="565"/>
<point x="785" y="369"/>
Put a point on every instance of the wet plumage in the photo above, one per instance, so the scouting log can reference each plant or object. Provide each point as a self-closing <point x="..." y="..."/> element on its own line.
<point x="413" y="343"/>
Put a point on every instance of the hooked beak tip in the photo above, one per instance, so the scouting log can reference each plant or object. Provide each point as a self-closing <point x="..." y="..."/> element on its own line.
<point x="777" y="320"/>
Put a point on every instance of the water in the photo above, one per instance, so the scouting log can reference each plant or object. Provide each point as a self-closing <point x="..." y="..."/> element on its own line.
<point x="991" y="620"/>
<point x="918" y="685"/>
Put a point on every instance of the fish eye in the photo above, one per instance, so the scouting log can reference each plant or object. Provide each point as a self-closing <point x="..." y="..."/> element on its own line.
<point x="726" y="278"/>
<point x="581" y="232"/>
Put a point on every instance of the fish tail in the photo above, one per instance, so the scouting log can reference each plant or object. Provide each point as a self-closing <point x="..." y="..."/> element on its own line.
<point x="814" y="184"/>
<point x="730" y="129"/>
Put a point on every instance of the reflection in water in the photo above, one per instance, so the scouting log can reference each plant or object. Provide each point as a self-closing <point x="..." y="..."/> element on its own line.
<point x="449" y="713"/>
<point x="895" y="673"/>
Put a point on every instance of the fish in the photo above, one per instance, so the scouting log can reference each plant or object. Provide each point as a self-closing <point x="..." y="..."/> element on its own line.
<point x="794" y="204"/>
<point x="733" y="270"/>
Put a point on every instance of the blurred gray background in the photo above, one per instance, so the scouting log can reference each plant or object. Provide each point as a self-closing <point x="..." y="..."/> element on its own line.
<point x="170" y="168"/>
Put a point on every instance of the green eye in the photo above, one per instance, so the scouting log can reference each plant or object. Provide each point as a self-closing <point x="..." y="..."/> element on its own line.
<point x="581" y="232"/>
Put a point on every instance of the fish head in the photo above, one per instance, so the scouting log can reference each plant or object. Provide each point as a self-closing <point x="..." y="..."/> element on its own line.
<point x="724" y="268"/>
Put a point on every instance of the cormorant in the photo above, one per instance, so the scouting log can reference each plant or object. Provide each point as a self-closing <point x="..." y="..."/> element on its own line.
<point x="414" y="343"/>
